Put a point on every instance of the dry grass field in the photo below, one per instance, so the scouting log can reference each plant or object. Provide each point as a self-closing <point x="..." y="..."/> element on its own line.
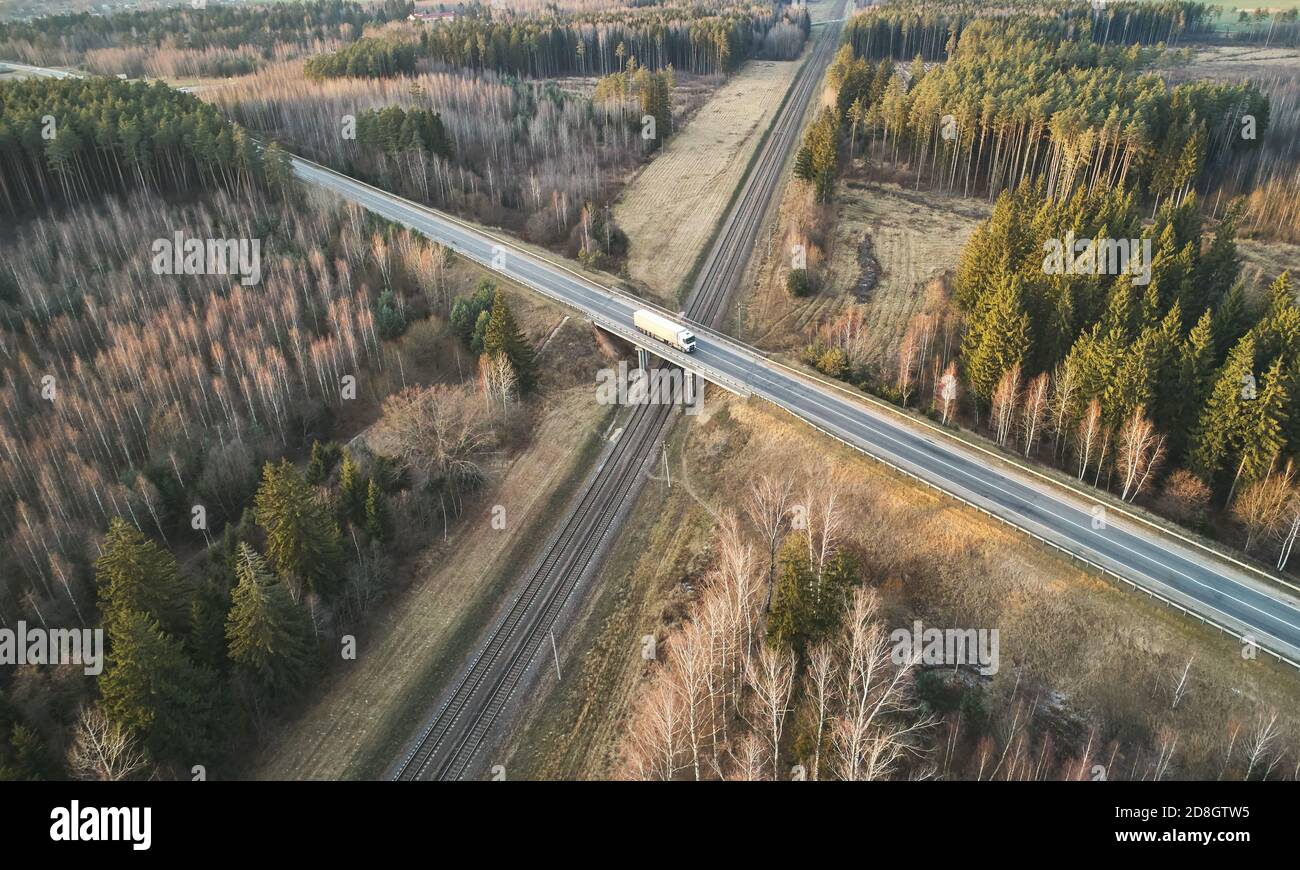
<point x="1101" y="658"/>
<point x="671" y="207"/>
<point x="915" y="237"/>
<point x="1261" y="262"/>
<point x="1235" y="62"/>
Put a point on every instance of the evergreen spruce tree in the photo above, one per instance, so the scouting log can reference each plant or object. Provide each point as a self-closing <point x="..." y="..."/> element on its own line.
<point x="1218" y="431"/>
<point x="134" y="574"/>
<point x="1219" y="265"/>
<point x="1262" y="438"/>
<point x="998" y="338"/>
<point x="1278" y="332"/>
<point x="352" y="492"/>
<point x="379" y="517"/>
<point x="803" y="165"/>
<point x="323" y="457"/>
<point x="804" y="609"/>
<point x="1230" y="321"/>
<point x="32" y="760"/>
<point x="998" y="246"/>
<point x="1134" y="379"/>
<point x="504" y="336"/>
<point x="151" y="688"/>
<point x="266" y="631"/>
<point x="1195" y="378"/>
<point x="302" y="539"/>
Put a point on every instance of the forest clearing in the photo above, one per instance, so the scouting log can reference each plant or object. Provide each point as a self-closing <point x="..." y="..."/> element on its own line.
<point x="912" y="236"/>
<point x="671" y="207"/>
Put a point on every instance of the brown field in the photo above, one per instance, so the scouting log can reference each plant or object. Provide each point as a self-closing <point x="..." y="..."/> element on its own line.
<point x="1233" y="63"/>
<point x="1263" y="261"/>
<point x="672" y="206"/>
<point x="915" y="237"/>
<point x="1102" y="658"/>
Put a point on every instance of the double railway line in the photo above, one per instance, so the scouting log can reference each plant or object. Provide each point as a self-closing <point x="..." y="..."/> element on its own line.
<point x="729" y="256"/>
<point x="451" y="743"/>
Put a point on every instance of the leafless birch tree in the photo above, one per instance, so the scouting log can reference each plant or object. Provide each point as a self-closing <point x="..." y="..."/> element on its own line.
<point x="767" y="504"/>
<point x="1031" y="413"/>
<point x="1006" y="395"/>
<point x="1141" y="452"/>
<point x="103" y="750"/>
<point x="821" y="681"/>
<point x="879" y="721"/>
<point x="771" y="677"/>
<point x="1088" y="435"/>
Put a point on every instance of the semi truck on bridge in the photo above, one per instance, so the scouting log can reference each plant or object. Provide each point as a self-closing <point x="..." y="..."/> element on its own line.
<point x="660" y="327"/>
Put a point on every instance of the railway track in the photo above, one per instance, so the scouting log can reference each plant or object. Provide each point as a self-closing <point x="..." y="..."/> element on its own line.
<point x="450" y="744"/>
<point x="729" y="256"/>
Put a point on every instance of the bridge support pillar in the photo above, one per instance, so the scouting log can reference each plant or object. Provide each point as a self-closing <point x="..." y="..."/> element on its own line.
<point x="688" y="388"/>
<point x="643" y="359"/>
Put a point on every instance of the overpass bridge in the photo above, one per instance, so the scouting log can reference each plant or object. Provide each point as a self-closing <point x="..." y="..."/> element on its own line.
<point x="1261" y="609"/>
<point x="608" y="309"/>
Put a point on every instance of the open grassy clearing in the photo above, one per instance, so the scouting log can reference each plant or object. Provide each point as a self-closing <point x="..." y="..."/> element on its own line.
<point x="1229" y="20"/>
<point x="671" y="207"/>
<point x="915" y="237"/>
<point x="1102" y="658"/>
<point x="1261" y="262"/>
<point x="1233" y="63"/>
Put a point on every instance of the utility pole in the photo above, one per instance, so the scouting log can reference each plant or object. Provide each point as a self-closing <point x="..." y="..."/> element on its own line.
<point x="667" y="473"/>
<point x="556" y="653"/>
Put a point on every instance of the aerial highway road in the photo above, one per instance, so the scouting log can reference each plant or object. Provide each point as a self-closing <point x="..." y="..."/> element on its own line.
<point x="1235" y="597"/>
<point x="461" y="732"/>
<point x="1230" y="595"/>
<point x="39" y="71"/>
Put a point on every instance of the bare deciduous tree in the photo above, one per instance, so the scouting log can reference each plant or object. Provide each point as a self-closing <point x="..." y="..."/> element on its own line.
<point x="1064" y="397"/>
<point x="1181" y="685"/>
<point x="498" y="378"/>
<point x="1260" y="755"/>
<point x="1031" y="414"/>
<point x="1289" y="529"/>
<point x="771" y="677"/>
<point x="879" y="720"/>
<point x="1006" y="396"/>
<point x="749" y="758"/>
<point x="947" y="389"/>
<point x="823" y="517"/>
<point x="1261" y="506"/>
<point x="655" y="731"/>
<point x="102" y="749"/>
<point x="689" y="664"/>
<point x="1087" y="436"/>
<point x="1141" y="452"/>
<point x="908" y="354"/>
<point x="821" y="679"/>
<point x="439" y="431"/>
<point x="767" y="504"/>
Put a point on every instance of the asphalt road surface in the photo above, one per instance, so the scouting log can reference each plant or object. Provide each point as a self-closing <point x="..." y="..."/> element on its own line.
<point x="1231" y="596"/>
